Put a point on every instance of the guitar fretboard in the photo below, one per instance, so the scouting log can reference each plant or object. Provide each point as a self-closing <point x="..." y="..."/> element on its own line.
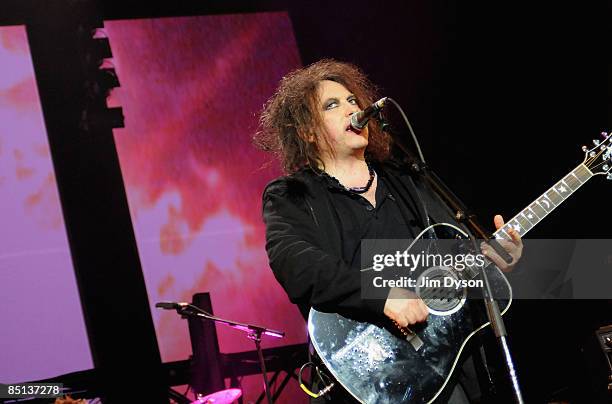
<point x="546" y="203"/>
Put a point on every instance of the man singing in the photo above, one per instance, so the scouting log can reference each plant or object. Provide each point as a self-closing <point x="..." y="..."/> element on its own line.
<point x="341" y="187"/>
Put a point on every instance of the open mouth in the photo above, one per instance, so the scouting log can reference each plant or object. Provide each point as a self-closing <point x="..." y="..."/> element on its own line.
<point x="349" y="128"/>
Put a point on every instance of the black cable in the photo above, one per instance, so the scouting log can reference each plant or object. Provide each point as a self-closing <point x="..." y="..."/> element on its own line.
<point x="414" y="138"/>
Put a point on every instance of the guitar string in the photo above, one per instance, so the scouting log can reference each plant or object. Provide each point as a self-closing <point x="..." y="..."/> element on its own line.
<point x="471" y="273"/>
<point x="470" y="270"/>
<point x="588" y="161"/>
<point x="596" y="156"/>
<point x="600" y="164"/>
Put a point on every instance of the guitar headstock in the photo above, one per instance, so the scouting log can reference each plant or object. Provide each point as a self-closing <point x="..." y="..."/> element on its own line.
<point x="598" y="159"/>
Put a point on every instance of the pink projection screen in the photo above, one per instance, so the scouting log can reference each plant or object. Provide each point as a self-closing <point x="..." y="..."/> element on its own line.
<point x="42" y="331"/>
<point x="191" y="90"/>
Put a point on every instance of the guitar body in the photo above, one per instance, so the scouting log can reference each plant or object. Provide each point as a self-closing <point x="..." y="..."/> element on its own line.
<point x="377" y="363"/>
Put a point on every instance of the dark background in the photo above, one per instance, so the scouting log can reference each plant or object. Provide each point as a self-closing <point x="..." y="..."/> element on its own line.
<point x="501" y="97"/>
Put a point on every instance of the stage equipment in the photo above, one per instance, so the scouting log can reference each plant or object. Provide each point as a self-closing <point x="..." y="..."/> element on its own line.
<point x="604" y="336"/>
<point x="254" y="332"/>
<point x="227" y="396"/>
<point x="360" y="119"/>
<point x="328" y="384"/>
<point x="95" y="51"/>
<point x="206" y="369"/>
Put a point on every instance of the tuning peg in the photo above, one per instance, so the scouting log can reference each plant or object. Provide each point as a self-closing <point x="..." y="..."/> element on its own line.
<point x="605" y="167"/>
<point x="596" y="142"/>
<point x="585" y="149"/>
<point x="609" y="176"/>
<point x="604" y="134"/>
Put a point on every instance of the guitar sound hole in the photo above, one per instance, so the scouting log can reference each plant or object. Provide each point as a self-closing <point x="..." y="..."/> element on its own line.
<point x="439" y="299"/>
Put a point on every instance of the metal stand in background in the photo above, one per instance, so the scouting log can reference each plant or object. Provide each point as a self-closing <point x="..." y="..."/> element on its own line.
<point x="254" y="332"/>
<point x="255" y="336"/>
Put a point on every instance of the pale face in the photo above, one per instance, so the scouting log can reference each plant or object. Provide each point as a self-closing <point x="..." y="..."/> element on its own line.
<point x="336" y="104"/>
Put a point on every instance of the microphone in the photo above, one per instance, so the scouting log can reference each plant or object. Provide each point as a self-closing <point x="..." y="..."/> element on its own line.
<point x="171" y="305"/>
<point x="360" y="119"/>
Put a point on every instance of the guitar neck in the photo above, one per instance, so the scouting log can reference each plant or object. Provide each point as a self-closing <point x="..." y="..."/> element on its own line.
<point x="529" y="217"/>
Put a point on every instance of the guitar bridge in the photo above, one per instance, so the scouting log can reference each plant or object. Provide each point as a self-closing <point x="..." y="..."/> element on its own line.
<point x="413" y="339"/>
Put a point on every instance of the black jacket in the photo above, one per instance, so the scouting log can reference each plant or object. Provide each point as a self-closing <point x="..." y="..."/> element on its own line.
<point x="303" y="237"/>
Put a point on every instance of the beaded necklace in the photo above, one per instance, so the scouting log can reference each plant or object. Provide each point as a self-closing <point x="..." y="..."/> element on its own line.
<point x="359" y="190"/>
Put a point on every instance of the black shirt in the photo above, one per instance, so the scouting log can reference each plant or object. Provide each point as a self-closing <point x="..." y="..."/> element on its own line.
<point x="360" y="220"/>
<point x="314" y="228"/>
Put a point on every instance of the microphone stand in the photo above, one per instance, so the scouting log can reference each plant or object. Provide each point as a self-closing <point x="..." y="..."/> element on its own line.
<point x="254" y="333"/>
<point x="492" y="308"/>
<point x="462" y="215"/>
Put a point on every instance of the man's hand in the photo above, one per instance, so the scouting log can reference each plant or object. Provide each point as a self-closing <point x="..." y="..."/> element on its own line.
<point x="405" y="307"/>
<point x="514" y="247"/>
